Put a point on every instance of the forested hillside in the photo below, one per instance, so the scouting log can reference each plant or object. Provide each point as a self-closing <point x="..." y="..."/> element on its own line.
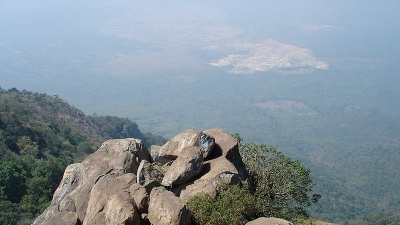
<point x="39" y="136"/>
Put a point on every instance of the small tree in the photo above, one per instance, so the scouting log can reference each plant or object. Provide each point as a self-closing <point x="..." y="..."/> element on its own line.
<point x="281" y="184"/>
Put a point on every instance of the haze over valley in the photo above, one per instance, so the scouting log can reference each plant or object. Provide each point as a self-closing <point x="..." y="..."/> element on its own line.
<point x="317" y="79"/>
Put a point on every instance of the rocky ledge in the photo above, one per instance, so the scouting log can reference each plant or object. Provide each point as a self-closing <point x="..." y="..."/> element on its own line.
<point x="122" y="183"/>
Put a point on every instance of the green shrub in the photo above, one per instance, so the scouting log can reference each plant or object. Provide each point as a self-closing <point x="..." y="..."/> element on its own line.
<point x="281" y="184"/>
<point x="233" y="205"/>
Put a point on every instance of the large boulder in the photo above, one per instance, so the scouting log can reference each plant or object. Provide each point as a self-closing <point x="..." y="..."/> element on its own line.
<point x="188" y="164"/>
<point x="269" y="221"/>
<point x="227" y="147"/>
<point x="220" y="170"/>
<point x="167" y="209"/>
<point x="110" y="202"/>
<point x="114" y="158"/>
<point x="199" y="187"/>
<point x="120" y="210"/>
<point x="174" y="147"/>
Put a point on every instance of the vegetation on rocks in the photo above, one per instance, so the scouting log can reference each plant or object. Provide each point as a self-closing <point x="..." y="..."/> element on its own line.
<point x="233" y="205"/>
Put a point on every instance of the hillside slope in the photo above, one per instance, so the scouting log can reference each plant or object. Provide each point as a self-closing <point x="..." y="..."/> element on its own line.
<point x="39" y="136"/>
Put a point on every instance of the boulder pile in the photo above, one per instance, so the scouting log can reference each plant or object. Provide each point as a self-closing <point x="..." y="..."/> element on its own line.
<point x="123" y="183"/>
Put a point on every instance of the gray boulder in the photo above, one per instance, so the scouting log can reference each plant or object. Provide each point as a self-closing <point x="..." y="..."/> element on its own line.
<point x="220" y="170"/>
<point x="111" y="203"/>
<point x="199" y="187"/>
<point x="227" y="147"/>
<point x="120" y="210"/>
<point x="188" y="164"/>
<point x="173" y="148"/>
<point x="167" y="209"/>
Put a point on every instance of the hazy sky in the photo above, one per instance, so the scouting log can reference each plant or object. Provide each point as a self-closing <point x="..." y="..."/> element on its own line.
<point x="130" y="38"/>
<point x="176" y="29"/>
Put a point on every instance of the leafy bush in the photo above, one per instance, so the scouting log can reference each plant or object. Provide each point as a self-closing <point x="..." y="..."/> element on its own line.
<point x="233" y="205"/>
<point x="281" y="184"/>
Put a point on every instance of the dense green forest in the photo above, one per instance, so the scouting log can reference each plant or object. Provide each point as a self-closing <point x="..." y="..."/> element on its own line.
<point x="39" y="136"/>
<point x="389" y="218"/>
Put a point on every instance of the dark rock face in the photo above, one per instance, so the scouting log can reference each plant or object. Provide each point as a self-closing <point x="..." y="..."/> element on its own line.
<point x="148" y="173"/>
<point x="121" y="183"/>
<point x="205" y="143"/>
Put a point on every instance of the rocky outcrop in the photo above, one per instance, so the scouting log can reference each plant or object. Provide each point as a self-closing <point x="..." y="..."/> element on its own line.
<point x="122" y="183"/>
